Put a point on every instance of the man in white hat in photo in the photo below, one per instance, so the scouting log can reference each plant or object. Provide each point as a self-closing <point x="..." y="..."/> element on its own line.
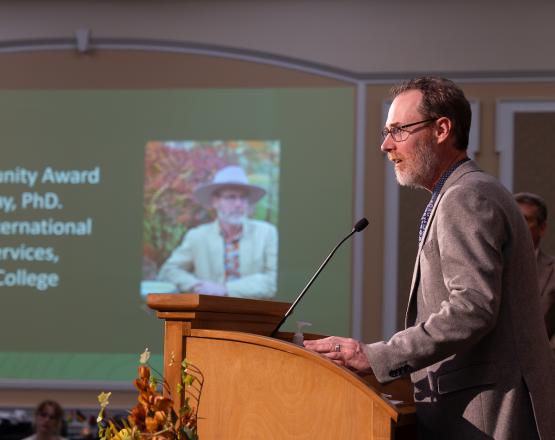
<point x="232" y="256"/>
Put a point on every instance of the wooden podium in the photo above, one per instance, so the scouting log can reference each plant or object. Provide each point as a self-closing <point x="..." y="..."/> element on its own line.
<point x="257" y="387"/>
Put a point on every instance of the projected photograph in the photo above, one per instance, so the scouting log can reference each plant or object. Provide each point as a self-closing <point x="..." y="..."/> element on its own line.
<point x="210" y="217"/>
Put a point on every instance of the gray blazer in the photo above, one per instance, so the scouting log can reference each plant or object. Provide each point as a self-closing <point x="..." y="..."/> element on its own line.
<point x="546" y="278"/>
<point x="474" y="342"/>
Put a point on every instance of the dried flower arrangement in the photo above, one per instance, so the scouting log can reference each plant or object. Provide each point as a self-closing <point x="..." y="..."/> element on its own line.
<point x="154" y="416"/>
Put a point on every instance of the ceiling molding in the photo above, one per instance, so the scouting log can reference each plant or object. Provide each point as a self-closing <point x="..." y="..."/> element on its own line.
<point x="96" y="44"/>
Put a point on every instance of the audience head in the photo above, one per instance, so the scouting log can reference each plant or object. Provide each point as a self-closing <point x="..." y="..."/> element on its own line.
<point x="49" y="417"/>
<point x="534" y="209"/>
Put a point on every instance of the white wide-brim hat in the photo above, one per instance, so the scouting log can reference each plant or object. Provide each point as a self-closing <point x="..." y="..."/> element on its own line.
<point x="231" y="176"/>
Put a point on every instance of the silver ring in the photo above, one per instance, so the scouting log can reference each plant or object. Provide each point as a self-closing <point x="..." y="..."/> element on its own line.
<point x="337" y="347"/>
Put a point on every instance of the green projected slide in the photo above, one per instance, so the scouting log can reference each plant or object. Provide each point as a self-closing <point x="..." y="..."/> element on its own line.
<point x="72" y="180"/>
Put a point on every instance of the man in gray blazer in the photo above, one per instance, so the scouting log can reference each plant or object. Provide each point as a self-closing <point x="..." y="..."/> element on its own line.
<point x="474" y="344"/>
<point x="534" y="209"/>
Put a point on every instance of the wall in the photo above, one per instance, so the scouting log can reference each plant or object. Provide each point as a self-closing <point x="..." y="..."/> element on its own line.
<point x="366" y="37"/>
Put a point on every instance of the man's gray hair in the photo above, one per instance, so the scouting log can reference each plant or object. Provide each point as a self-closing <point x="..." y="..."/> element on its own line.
<point x="535" y="200"/>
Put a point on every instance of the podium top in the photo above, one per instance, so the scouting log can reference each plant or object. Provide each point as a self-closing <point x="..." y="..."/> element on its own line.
<point x="219" y="312"/>
<point x="189" y="302"/>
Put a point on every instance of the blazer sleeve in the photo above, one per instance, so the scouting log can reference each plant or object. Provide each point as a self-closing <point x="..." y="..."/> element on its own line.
<point x="178" y="268"/>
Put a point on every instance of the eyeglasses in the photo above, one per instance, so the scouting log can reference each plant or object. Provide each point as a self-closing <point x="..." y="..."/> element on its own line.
<point x="399" y="134"/>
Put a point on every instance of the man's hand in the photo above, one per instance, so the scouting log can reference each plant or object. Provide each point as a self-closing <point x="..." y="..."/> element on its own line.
<point x="210" y="288"/>
<point x="343" y="351"/>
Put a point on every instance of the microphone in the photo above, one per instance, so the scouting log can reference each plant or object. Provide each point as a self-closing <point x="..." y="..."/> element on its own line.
<point x="359" y="226"/>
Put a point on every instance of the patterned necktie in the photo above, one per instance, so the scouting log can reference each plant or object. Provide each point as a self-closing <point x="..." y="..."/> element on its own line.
<point x="435" y="195"/>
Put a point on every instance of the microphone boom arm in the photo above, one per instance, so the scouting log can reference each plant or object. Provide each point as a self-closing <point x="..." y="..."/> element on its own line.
<point x="355" y="229"/>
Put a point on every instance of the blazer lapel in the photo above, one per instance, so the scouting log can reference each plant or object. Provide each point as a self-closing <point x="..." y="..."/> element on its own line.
<point x="460" y="171"/>
<point x="416" y="270"/>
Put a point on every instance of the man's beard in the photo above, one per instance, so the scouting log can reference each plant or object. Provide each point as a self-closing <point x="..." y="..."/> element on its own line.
<point x="232" y="218"/>
<point x="420" y="167"/>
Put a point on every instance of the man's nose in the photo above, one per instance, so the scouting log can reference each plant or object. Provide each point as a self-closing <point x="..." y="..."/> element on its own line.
<point x="388" y="144"/>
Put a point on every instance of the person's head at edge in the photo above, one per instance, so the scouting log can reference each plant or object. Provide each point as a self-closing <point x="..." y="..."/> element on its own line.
<point x="534" y="210"/>
<point x="48" y="419"/>
<point x="427" y="130"/>
<point x="230" y="195"/>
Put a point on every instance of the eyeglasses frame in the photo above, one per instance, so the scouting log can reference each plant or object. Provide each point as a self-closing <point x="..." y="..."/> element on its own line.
<point x="401" y="128"/>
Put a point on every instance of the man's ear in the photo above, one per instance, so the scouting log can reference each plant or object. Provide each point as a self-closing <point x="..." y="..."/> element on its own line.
<point x="444" y="127"/>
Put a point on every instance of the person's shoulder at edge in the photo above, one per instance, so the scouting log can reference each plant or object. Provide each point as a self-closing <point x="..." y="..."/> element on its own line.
<point x="469" y="172"/>
<point x="471" y="191"/>
<point x="472" y="177"/>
